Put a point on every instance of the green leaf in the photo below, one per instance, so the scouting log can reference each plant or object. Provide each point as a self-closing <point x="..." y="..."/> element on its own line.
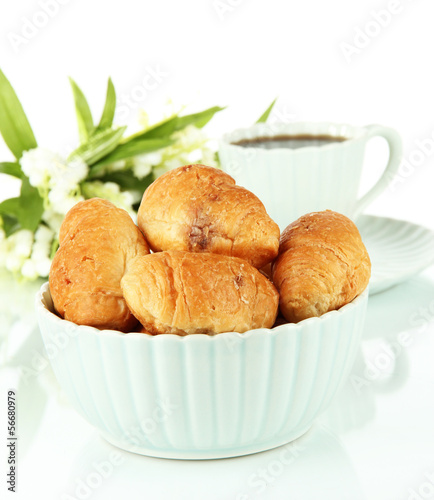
<point x="98" y="146"/>
<point x="54" y="247"/>
<point x="175" y="123"/>
<point x="11" y="207"/>
<point x="13" y="169"/>
<point x="263" y="118"/>
<point x="163" y="129"/>
<point x="10" y="224"/>
<point x="27" y="209"/>
<point x="127" y="150"/>
<point x="32" y="206"/>
<point x="197" y="119"/>
<point x="109" y="107"/>
<point x="84" y="115"/>
<point x="127" y="180"/>
<point x="152" y="139"/>
<point x="14" y="126"/>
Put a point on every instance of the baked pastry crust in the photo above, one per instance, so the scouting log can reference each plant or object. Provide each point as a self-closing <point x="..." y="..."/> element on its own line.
<point x="187" y="293"/>
<point x="97" y="240"/>
<point x="322" y="265"/>
<point x="196" y="208"/>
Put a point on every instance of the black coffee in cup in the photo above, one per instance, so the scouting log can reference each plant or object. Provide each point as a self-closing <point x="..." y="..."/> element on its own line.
<point x="289" y="141"/>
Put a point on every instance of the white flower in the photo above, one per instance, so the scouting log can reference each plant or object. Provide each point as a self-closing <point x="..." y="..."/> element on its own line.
<point x="39" y="262"/>
<point x="16" y="249"/>
<point x="190" y="137"/>
<point x="110" y="191"/>
<point x="28" y="270"/>
<point x="44" y="235"/>
<point x="158" y="171"/>
<point x="62" y="200"/>
<point x="142" y="169"/>
<point x="13" y="263"/>
<point x="125" y="201"/>
<point x="67" y="176"/>
<point x="27" y="254"/>
<point x="154" y="158"/>
<point x="51" y="173"/>
<point x="42" y="245"/>
<point x="175" y="162"/>
<point x="77" y="170"/>
<point x="21" y="242"/>
<point x="117" y="165"/>
<point x="37" y="165"/>
<point x="53" y="219"/>
<point x="43" y="267"/>
<point x="189" y="147"/>
<point x="143" y="163"/>
<point x="208" y="157"/>
<point x="46" y="169"/>
<point x="41" y="259"/>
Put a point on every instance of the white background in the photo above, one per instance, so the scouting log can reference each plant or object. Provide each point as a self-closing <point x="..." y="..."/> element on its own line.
<point x="240" y="54"/>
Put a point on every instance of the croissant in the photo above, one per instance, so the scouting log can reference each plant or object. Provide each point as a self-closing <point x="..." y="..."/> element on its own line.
<point x="197" y="208"/>
<point x="322" y="265"/>
<point x="97" y="240"/>
<point x="187" y="293"/>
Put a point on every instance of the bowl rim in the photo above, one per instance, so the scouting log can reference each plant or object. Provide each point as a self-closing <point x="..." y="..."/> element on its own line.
<point x="43" y="309"/>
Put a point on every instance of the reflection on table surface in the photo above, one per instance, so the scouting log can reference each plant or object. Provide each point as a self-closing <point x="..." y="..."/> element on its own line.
<point x="376" y="440"/>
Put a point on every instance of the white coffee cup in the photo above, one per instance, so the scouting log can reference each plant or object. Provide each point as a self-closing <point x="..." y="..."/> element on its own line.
<point x="293" y="182"/>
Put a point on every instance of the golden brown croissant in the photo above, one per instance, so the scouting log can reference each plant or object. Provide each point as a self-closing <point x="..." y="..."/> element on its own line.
<point x="97" y="240"/>
<point x="322" y="265"/>
<point x="186" y="293"/>
<point x="200" y="209"/>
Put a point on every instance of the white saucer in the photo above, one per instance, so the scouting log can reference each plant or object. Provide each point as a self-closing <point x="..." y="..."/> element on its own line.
<point x="398" y="249"/>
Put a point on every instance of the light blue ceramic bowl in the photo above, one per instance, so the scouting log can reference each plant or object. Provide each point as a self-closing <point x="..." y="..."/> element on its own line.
<point x="201" y="396"/>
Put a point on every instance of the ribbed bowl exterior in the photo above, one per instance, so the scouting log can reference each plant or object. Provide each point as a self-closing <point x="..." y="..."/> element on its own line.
<point x="293" y="182"/>
<point x="203" y="396"/>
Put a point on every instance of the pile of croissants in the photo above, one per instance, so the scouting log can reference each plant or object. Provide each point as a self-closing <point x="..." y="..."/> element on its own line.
<point x="218" y="261"/>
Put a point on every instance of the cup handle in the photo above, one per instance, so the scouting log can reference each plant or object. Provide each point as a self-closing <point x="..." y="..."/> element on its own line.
<point x="395" y="154"/>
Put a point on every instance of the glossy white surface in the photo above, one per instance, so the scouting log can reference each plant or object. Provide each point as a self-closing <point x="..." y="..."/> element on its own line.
<point x="375" y="442"/>
<point x="398" y="249"/>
